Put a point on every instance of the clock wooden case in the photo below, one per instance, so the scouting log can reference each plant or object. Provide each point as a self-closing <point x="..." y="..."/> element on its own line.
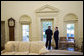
<point x="11" y="24"/>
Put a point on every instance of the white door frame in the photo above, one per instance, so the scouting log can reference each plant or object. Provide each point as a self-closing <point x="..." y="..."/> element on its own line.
<point x="52" y="20"/>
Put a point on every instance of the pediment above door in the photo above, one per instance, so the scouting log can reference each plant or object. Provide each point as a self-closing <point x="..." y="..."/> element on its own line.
<point x="47" y="8"/>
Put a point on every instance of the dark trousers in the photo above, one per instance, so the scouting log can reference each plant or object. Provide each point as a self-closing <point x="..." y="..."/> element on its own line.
<point x="48" y="41"/>
<point x="56" y="43"/>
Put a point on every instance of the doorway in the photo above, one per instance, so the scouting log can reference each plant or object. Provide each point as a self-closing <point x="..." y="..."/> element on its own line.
<point x="2" y="35"/>
<point x="25" y="32"/>
<point x="45" y="23"/>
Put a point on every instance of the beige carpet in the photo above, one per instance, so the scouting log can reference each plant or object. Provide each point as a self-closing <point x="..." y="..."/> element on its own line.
<point x="62" y="52"/>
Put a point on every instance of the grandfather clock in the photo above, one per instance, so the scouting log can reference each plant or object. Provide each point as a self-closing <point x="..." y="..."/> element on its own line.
<point x="11" y="24"/>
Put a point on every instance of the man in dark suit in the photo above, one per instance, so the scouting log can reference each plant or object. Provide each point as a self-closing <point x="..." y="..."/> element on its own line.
<point x="56" y="37"/>
<point x="48" y="33"/>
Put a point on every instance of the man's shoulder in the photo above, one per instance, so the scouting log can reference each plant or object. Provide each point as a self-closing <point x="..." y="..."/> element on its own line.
<point x="58" y="30"/>
<point x="46" y="29"/>
<point x="51" y="30"/>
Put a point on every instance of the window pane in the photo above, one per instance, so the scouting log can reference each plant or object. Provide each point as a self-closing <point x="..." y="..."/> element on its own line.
<point x="25" y="29"/>
<point x="70" y="30"/>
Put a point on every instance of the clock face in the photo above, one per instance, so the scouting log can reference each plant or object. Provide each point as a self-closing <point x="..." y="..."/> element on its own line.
<point x="11" y="23"/>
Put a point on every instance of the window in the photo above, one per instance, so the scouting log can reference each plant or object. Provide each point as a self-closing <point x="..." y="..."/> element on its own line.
<point x="25" y="29"/>
<point x="70" y="30"/>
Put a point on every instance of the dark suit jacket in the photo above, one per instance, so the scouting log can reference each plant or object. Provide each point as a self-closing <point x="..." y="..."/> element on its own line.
<point x="49" y="33"/>
<point x="56" y="35"/>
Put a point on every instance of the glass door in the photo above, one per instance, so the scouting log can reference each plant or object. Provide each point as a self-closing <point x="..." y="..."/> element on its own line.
<point x="45" y="24"/>
<point x="45" y="27"/>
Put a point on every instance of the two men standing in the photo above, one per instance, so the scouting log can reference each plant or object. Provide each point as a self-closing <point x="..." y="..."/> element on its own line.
<point x="49" y="34"/>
